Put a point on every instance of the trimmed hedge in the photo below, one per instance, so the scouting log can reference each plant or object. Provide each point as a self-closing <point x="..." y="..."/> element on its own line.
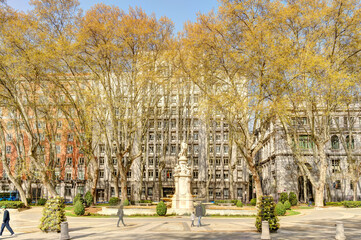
<point x="287" y="205"/>
<point x="126" y="202"/>
<point x="78" y="197"/>
<point x="280" y="209"/>
<point x="293" y="199"/>
<point x="225" y="201"/>
<point x="41" y="201"/>
<point x="334" y="203"/>
<point x="239" y="203"/>
<point x="12" y="204"/>
<point x="253" y="202"/>
<point x="284" y="197"/>
<point x="351" y="204"/>
<point x="88" y="198"/>
<point x="266" y="212"/>
<point x="113" y="201"/>
<point x="53" y="215"/>
<point x="161" y="209"/>
<point x="79" y="209"/>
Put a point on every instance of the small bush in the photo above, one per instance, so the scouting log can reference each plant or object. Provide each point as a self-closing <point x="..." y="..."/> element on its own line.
<point x="280" y="209"/>
<point x="79" y="209"/>
<point x="88" y="198"/>
<point x="334" y="203"/>
<point x="41" y="201"/>
<point x="293" y="199"/>
<point x="284" y="197"/>
<point x="126" y="202"/>
<point x="145" y="201"/>
<point x="351" y="204"/>
<point x="266" y="212"/>
<point x="53" y="215"/>
<point x="78" y="197"/>
<point x="113" y="201"/>
<point x="161" y="209"/>
<point x="12" y="204"/>
<point x="29" y="200"/>
<point x="253" y="202"/>
<point x="239" y="203"/>
<point x="287" y="205"/>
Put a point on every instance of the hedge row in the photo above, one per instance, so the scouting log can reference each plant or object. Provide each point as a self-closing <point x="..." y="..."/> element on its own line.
<point x="225" y="201"/>
<point x="12" y="204"/>
<point x="351" y="204"/>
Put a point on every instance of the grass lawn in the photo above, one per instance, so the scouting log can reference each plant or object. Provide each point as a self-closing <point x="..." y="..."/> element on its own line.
<point x="291" y="213"/>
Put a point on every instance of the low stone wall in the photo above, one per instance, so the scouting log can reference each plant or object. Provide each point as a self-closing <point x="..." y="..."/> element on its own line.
<point x="230" y="212"/>
<point x="128" y="211"/>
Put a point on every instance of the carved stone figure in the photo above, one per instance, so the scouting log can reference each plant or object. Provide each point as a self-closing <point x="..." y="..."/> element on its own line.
<point x="183" y="151"/>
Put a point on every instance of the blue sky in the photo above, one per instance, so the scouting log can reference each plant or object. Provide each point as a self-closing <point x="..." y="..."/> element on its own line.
<point x="179" y="11"/>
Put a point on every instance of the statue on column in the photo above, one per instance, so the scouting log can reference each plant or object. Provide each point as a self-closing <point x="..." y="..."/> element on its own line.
<point x="183" y="151"/>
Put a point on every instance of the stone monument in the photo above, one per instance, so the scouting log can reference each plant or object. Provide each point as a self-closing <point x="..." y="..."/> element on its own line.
<point x="182" y="200"/>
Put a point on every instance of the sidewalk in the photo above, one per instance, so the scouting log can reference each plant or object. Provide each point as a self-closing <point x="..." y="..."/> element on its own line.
<point x="311" y="224"/>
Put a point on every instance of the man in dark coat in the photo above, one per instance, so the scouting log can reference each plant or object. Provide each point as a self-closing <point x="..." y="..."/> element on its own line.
<point x="120" y="214"/>
<point x="6" y="220"/>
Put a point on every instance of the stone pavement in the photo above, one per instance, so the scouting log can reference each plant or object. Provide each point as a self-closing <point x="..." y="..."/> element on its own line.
<point x="311" y="224"/>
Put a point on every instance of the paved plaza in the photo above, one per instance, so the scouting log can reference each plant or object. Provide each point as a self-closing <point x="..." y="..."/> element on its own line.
<point x="311" y="224"/>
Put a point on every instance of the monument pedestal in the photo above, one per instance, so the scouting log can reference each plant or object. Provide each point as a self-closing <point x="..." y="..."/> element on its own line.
<point x="182" y="201"/>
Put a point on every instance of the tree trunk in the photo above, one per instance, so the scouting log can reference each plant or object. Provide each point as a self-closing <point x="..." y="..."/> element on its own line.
<point x="305" y="196"/>
<point x="116" y="186"/>
<point x="123" y="185"/>
<point x="95" y="180"/>
<point x="16" y="184"/>
<point x="354" y="184"/>
<point x="256" y="179"/>
<point x="319" y="195"/>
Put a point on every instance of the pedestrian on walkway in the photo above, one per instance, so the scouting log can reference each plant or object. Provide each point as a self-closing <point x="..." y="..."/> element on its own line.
<point x="120" y="214"/>
<point x="310" y="201"/>
<point x="192" y="218"/>
<point x="6" y="220"/>
<point x="199" y="214"/>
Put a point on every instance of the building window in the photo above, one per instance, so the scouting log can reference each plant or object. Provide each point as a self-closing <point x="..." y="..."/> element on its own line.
<point x="239" y="192"/>
<point x="58" y="137"/>
<point x="218" y="193"/>
<point x="196" y="149"/>
<point x="80" y="174"/>
<point x="225" y="161"/>
<point x="80" y="190"/>
<point x="218" y="161"/>
<point x="218" y="136"/>
<point x="335" y="164"/>
<point x="337" y="184"/>
<point x="69" y="149"/>
<point x="8" y="149"/>
<point x="68" y="176"/>
<point x="335" y="144"/>
<point x="151" y="136"/>
<point x="57" y="162"/>
<point x="305" y="142"/>
<point x="195" y="191"/>
<point x="350" y="144"/>
<point x="225" y="149"/>
<point x="58" y="149"/>
<point x="57" y="175"/>
<point x="169" y="174"/>
<point x="239" y="175"/>
<point x="225" y="136"/>
<point x="115" y="161"/>
<point x="151" y="149"/>
<point x="226" y="193"/>
<point x="195" y="123"/>
<point x="101" y="173"/>
<point x="173" y="123"/>
<point x="67" y="191"/>
<point x="225" y="174"/>
<point x="129" y="190"/>
<point x="150" y="174"/>
<point x="9" y="137"/>
<point x="70" y="137"/>
<point x="81" y="161"/>
<point x="218" y="149"/>
<point x="59" y="124"/>
<point x="172" y="149"/>
<point x="210" y="193"/>
<point x="218" y="174"/>
<point x="195" y="174"/>
<point x="101" y="161"/>
<point x="129" y="174"/>
<point x="150" y="161"/>
<point x="102" y="148"/>
<point x="195" y="161"/>
<point x="150" y="191"/>
<point x="195" y="136"/>
<point x="69" y="160"/>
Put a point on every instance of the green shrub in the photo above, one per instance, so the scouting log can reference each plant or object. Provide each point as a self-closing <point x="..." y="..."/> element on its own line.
<point x="12" y="204"/>
<point x="113" y="201"/>
<point x="88" y="198"/>
<point x="284" y="197"/>
<point x="78" y="197"/>
<point x="267" y="212"/>
<point x="239" y="203"/>
<point x="126" y="202"/>
<point x="351" y="204"/>
<point x="234" y="201"/>
<point x="161" y="209"/>
<point x="145" y="201"/>
<point x="287" y="205"/>
<point x="79" y="209"/>
<point x="53" y="215"/>
<point x="253" y="202"/>
<point x="29" y="200"/>
<point x="280" y="209"/>
<point x="41" y="201"/>
<point x="293" y="199"/>
<point x="334" y="203"/>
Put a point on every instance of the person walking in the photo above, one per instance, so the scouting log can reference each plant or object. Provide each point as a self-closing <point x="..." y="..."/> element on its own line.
<point x="192" y="218"/>
<point x="120" y="214"/>
<point x="6" y="220"/>
<point x="199" y="213"/>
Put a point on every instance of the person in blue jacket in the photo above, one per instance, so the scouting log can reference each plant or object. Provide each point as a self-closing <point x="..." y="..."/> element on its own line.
<point x="6" y="220"/>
